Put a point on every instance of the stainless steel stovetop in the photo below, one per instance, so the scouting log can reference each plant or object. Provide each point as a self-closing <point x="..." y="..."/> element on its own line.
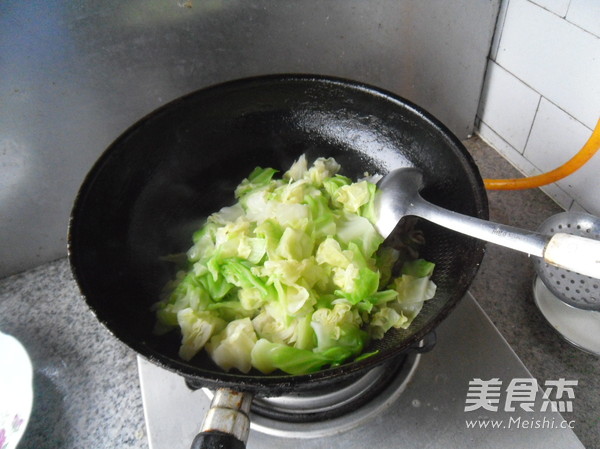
<point x="425" y="410"/>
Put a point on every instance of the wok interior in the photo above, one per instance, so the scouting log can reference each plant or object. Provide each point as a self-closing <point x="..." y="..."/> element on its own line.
<point x="158" y="182"/>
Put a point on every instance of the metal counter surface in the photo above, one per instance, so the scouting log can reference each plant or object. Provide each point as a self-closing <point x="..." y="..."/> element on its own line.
<point x="75" y="74"/>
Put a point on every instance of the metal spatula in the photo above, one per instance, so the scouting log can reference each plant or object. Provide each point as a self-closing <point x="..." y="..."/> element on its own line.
<point x="400" y="197"/>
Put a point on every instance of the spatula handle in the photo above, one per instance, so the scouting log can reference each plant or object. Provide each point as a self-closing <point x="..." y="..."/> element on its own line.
<point x="574" y="253"/>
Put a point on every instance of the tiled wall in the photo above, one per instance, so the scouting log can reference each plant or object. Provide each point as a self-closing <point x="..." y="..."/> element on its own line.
<point x="541" y="98"/>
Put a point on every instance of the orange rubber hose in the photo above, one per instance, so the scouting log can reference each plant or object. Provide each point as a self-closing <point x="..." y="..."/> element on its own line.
<point x="576" y="162"/>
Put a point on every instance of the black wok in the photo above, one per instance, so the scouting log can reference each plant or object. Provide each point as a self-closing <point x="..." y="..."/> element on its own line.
<point x="154" y="185"/>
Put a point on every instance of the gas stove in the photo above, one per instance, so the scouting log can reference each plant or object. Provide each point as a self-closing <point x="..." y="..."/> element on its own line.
<point x="419" y="402"/>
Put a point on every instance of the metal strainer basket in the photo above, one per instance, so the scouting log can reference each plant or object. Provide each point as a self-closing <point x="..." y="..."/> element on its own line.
<point x="580" y="291"/>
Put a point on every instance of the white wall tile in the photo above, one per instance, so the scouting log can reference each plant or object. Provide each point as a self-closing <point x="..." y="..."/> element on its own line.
<point x="508" y="106"/>
<point x="586" y="14"/>
<point x="500" y="145"/>
<point x="509" y="153"/>
<point x="556" y="6"/>
<point x="555" y="138"/>
<point x="522" y="164"/>
<point x="556" y="58"/>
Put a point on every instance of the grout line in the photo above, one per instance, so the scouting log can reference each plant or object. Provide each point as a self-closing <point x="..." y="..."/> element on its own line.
<point x="543" y="96"/>
<point x="519" y="168"/>
<point x="569" y="114"/>
<point x="520" y="79"/>
<point x="546" y="189"/>
<point x="549" y="10"/>
<point x="537" y="109"/>
<point x="574" y="24"/>
<point x="581" y="28"/>
<point x="576" y="204"/>
<point x="563" y="17"/>
<point x="507" y="144"/>
<point x="549" y="195"/>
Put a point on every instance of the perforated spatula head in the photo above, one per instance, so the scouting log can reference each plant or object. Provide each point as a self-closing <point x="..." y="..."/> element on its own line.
<point x="574" y="289"/>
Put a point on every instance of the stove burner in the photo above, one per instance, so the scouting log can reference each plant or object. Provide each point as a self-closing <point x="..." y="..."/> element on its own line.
<point x="329" y="401"/>
<point x="321" y="413"/>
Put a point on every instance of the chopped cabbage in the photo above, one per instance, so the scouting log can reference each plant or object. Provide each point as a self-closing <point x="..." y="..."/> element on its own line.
<point x="292" y="277"/>
<point x="197" y="328"/>
<point x="231" y="348"/>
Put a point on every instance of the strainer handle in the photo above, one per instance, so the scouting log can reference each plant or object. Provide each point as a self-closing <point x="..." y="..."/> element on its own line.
<point x="574" y="253"/>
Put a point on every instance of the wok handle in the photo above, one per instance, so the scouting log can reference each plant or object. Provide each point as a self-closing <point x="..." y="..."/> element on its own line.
<point x="217" y="440"/>
<point x="227" y="423"/>
<point x="426" y="344"/>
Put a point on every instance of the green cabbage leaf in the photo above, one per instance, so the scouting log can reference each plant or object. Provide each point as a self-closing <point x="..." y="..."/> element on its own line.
<point x="293" y="277"/>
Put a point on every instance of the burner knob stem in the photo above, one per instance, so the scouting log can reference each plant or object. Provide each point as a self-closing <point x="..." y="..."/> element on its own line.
<point x="227" y="423"/>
